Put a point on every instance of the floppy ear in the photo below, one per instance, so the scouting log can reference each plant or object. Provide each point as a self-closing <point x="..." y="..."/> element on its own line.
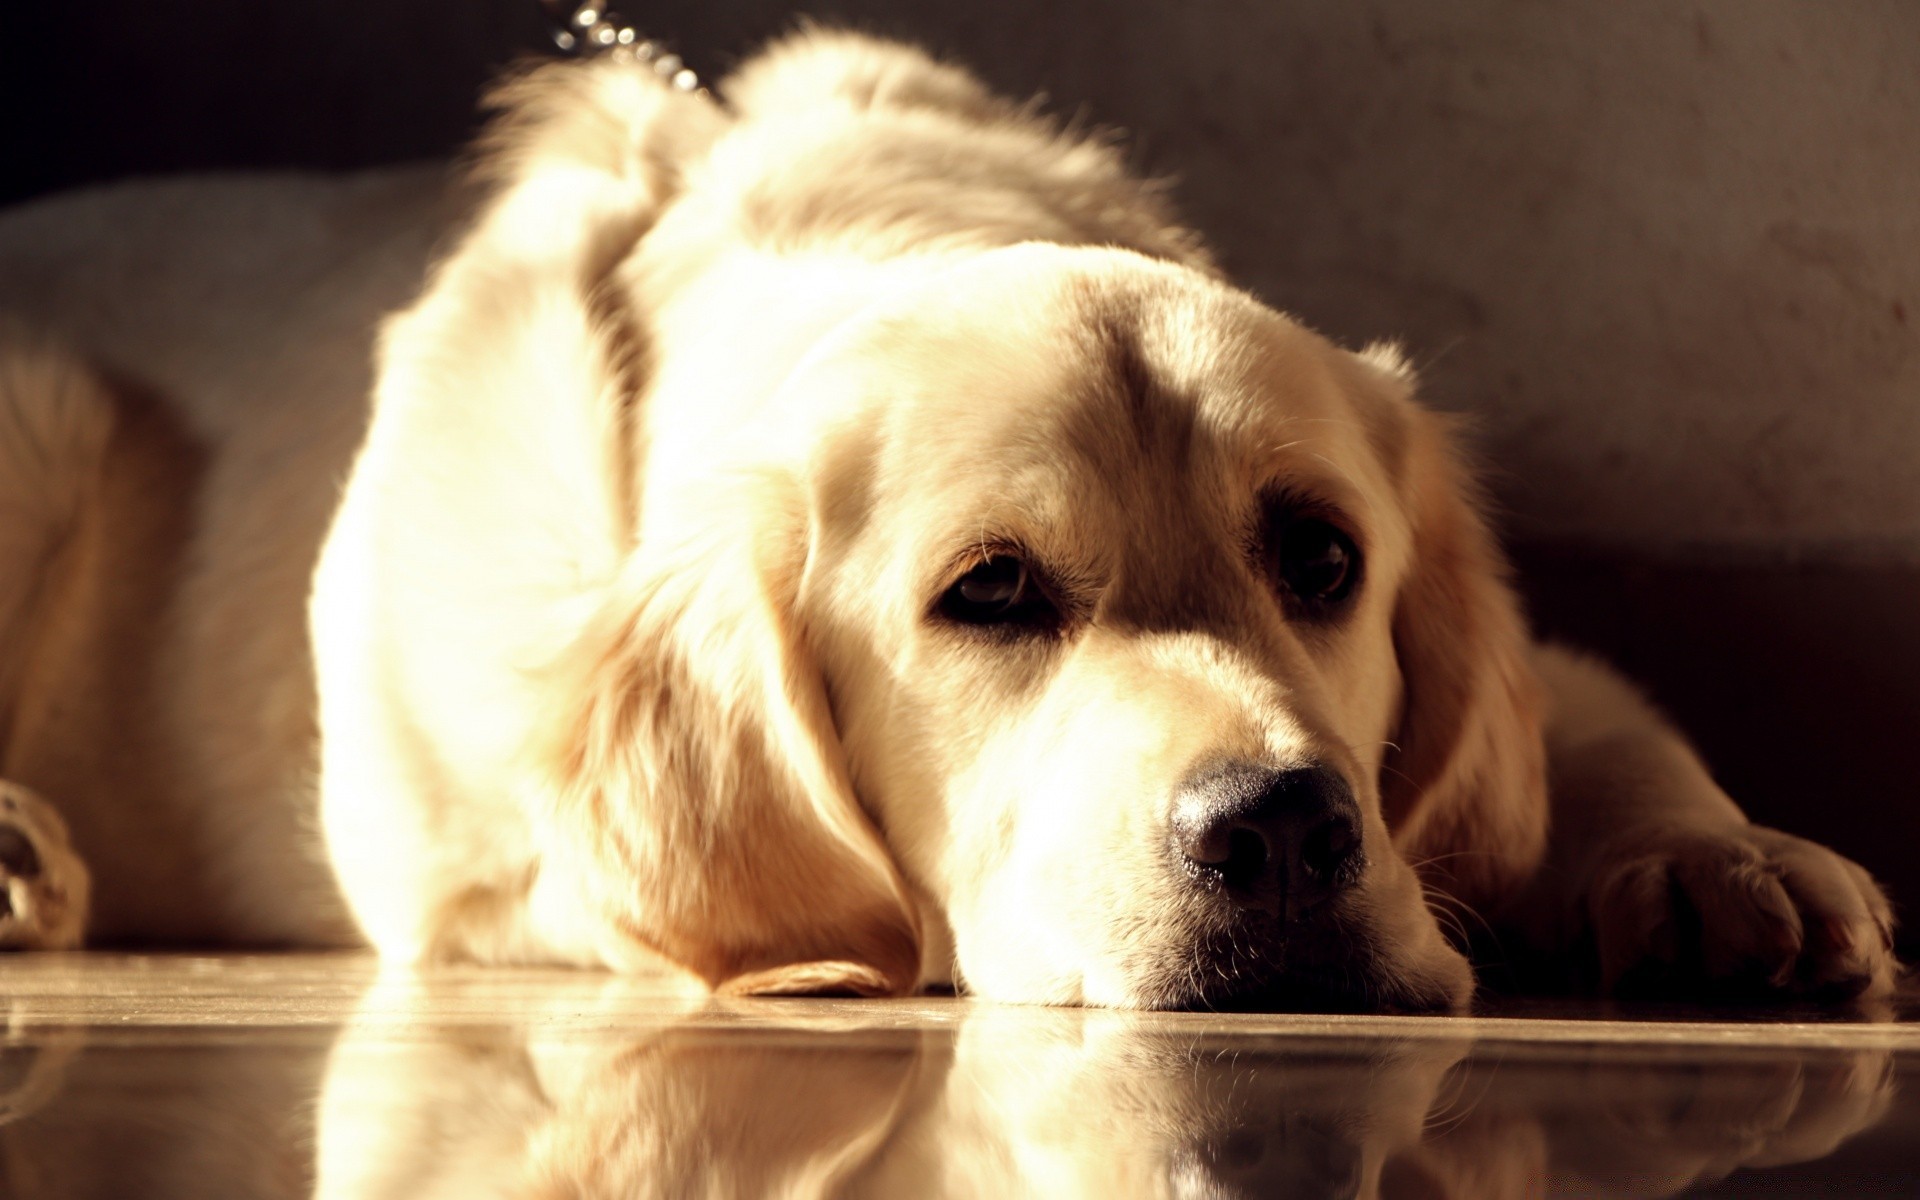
<point x="1465" y="789"/>
<point x="696" y="782"/>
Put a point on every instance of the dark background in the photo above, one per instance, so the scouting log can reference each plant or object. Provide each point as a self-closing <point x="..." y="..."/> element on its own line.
<point x="1785" y="642"/>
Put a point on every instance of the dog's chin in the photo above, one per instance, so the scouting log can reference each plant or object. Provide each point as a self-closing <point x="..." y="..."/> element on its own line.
<point x="1315" y="993"/>
<point x="1309" y="979"/>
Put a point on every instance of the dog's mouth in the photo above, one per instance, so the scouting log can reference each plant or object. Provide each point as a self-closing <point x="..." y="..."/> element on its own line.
<point x="1312" y="993"/>
<point x="1249" y="969"/>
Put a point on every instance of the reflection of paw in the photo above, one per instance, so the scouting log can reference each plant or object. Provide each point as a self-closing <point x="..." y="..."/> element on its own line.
<point x="32" y="1069"/>
<point x="1658" y="1128"/>
<point x="43" y="883"/>
<point x="1744" y="908"/>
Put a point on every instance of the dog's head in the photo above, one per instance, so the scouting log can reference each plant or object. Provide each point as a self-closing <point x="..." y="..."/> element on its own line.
<point x="1078" y="625"/>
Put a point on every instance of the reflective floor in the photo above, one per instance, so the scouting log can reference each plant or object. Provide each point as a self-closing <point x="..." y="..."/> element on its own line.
<point x="296" y="1076"/>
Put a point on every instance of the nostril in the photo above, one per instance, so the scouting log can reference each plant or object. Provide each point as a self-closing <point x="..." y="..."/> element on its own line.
<point x="1246" y="860"/>
<point x="1330" y="851"/>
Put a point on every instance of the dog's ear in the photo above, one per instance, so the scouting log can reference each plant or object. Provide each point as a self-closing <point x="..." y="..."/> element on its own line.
<point x="695" y="780"/>
<point x="1464" y="788"/>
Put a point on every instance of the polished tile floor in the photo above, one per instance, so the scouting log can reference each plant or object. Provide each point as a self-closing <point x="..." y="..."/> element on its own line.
<point x="132" y="1077"/>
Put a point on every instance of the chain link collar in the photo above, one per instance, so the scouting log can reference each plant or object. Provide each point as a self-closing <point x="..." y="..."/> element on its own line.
<point x="588" y="28"/>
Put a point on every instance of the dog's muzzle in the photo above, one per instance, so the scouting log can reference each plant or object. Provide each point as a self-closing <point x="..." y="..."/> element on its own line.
<point x="1267" y="853"/>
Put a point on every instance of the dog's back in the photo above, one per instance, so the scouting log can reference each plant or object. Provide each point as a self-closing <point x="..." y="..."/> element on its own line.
<point x="183" y="371"/>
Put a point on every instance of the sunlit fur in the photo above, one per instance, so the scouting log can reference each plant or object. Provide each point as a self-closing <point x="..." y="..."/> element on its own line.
<point x="695" y="493"/>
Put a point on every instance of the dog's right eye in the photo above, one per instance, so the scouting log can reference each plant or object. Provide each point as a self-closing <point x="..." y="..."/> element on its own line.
<point x="1000" y="591"/>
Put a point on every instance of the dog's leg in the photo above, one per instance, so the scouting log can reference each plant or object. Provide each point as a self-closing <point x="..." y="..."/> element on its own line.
<point x="1675" y="888"/>
<point x="54" y="423"/>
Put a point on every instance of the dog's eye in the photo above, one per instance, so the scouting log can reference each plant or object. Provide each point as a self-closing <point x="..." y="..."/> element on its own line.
<point x="1318" y="563"/>
<point x="1000" y="591"/>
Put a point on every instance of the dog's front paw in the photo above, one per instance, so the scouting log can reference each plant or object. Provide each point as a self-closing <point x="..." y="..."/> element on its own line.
<point x="1742" y="909"/>
<point x="43" y="884"/>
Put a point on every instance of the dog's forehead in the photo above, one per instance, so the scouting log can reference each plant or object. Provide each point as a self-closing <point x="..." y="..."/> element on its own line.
<point x="1035" y="363"/>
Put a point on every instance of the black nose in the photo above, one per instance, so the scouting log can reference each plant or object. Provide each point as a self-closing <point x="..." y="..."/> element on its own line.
<point x="1283" y="841"/>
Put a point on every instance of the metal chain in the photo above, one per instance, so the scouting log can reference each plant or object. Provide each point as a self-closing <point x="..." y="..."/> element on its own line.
<point x="587" y="28"/>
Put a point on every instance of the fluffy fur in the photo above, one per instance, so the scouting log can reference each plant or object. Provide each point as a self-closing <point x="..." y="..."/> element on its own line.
<point x="624" y="631"/>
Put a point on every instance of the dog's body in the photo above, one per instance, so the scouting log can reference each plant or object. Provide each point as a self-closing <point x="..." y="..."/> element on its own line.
<point x="847" y="541"/>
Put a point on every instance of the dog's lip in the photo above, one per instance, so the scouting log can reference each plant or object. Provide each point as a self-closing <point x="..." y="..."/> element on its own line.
<point x="1287" y="992"/>
<point x="1313" y="969"/>
<point x="1330" y="992"/>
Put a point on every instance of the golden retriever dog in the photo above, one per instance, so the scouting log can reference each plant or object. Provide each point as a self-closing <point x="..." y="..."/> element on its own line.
<point x="841" y="537"/>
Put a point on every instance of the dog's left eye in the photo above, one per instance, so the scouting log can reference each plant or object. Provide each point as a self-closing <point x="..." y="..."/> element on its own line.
<point x="1318" y="562"/>
<point x="1000" y="591"/>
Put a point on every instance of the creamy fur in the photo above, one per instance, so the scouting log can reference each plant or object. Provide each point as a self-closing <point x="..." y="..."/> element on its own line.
<point x="621" y="629"/>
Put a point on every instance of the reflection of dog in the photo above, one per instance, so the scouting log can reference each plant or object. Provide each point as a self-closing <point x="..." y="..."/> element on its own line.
<point x="845" y="541"/>
<point x="784" y="1099"/>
